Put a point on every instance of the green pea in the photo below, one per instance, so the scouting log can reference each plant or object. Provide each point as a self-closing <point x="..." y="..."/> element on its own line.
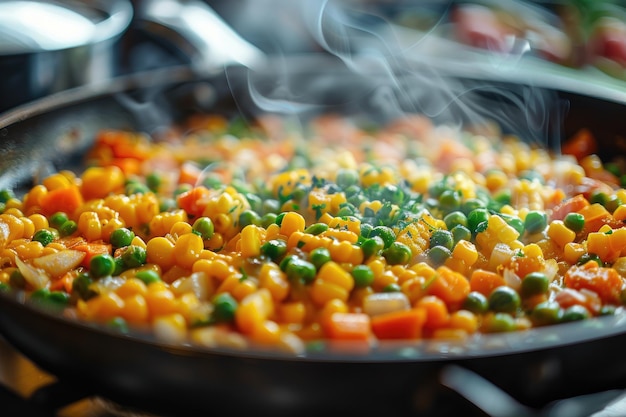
<point x="274" y="249"/>
<point x="476" y="217"/>
<point x="204" y="227"/>
<point x="504" y="299"/>
<point x="17" y="280"/>
<point x="372" y="246"/>
<point x="6" y="194"/>
<point x="598" y="197"/>
<point x="148" y="276"/>
<point x="471" y="204"/>
<point x="300" y="270"/>
<point x="366" y="229"/>
<point x="319" y="256"/>
<point x="57" y="219"/>
<point x="393" y="194"/>
<point x="44" y="236"/>
<point x="393" y="287"/>
<point x="438" y="255"/>
<point x="268" y="219"/>
<point x="449" y="200"/>
<point x="166" y="204"/>
<point x="612" y="203"/>
<point x="363" y="275"/>
<point x="53" y="300"/>
<point x="532" y="176"/>
<point x="386" y="234"/>
<point x="347" y="177"/>
<point x="121" y="237"/>
<point x="515" y="222"/>
<point x="135" y="187"/>
<point x="535" y="221"/>
<point x="153" y="181"/>
<point x="279" y="218"/>
<point x="316" y="228"/>
<point x="437" y="188"/>
<point x="118" y="324"/>
<point x="101" y="265"/>
<point x="476" y="302"/>
<point x="501" y="322"/>
<point x="224" y="307"/>
<point x="574" y="221"/>
<point x="397" y="254"/>
<point x="248" y="217"/>
<point x="460" y="232"/>
<point x="134" y="256"/>
<point x="455" y="218"/>
<point x="68" y="228"/>
<point x="441" y="237"/>
<point x="271" y="205"/>
<point x="284" y="263"/>
<point x="119" y="266"/>
<point x="81" y="285"/>
<point x="575" y="313"/>
<point x="534" y="283"/>
<point x="547" y="312"/>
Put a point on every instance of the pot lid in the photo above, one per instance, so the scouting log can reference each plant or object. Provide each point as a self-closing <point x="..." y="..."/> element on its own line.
<point x="34" y="26"/>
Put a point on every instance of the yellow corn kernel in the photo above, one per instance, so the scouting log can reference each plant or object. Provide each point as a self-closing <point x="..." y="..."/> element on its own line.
<point x="216" y="242"/>
<point x="104" y="307"/>
<point x="56" y="182"/>
<point x="170" y="328"/>
<point x="243" y="288"/>
<point x="333" y="273"/>
<point x="321" y="292"/>
<point x="267" y="332"/>
<point x="162" y="223"/>
<point x="507" y="234"/>
<point x="272" y="231"/>
<point x="350" y="223"/>
<point x="464" y="320"/>
<point x="384" y="279"/>
<point x="39" y="221"/>
<point x="532" y="250"/>
<point x="342" y="235"/>
<point x="215" y="268"/>
<point x="13" y="211"/>
<point x="605" y="228"/>
<point x="180" y="228"/>
<point x="292" y="222"/>
<point x="160" y="251"/>
<point x="147" y="206"/>
<point x="617" y="239"/>
<point x="89" y="226"/>
<point x="292" y="312"/>
<point x="495" y="180"/>
<point x="560" y="234"/>
<point x="98" y="182"/>
<point x="414" y="288"/>
<point x="13" y="226"/>
<point x="466" y="252"/>
<point x="447" y="333"/>
<point x="110" y="226"/>
<point x="29" y="250"/>
<point x="250" y="241"/>
<point x="29" y="227"/>
<point x="160" y="301"/>
<point x="253" y="310"/>
<point x="572" y="252"/>
<point x="495" y="223"/>
<point x="187" y="249"/>
<point x="138" y="241"/>
<point x="33" y="197"/>
<point x="132" y="286"/>
<point x="275" y="280"/>
<point x="341" y="251"/>
<point x="620" y="212"/>
<point x="135" y="309"/>
<point x="331" y="307"/>
<point x="598" y="243"/>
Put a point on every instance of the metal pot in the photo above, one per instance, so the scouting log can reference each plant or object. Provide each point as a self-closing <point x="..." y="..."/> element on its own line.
<point x="46" y="47"/>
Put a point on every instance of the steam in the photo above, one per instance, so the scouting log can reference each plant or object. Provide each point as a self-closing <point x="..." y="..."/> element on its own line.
<point x="383" y="75"/>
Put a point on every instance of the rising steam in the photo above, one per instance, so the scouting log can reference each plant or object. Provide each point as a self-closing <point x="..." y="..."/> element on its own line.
<point x="375" y="74"/>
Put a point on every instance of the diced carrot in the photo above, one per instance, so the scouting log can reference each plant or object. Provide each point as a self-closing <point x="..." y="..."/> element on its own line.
<point x="580" y="145"/>
<point x="568" y="297"/>
<point x="450" y="286"/>
<point x="66" y="200"/>
<point x="64" y="283"/>
<point x="194" y="200"/>
<point x="189" y="173"/>
<point x="91" y="250"/>
<point x="596" y="216"/>
<point x="606" y="282"/>
<point x="348" y="326"/>
<point x="571" y="205"/>
<point x="436" y="311"/>
<point x="403" y="324"/>
<point x="485" y="281"/>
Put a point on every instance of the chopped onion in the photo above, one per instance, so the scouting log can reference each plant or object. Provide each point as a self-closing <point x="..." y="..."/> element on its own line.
<point x="34" y="276"/>
<point x="551" y="268"/>
<point x="500" y="255"/>
<point x="385" y="302"/>
<point x="199" y="283"/>
<point x="512" y="279"/>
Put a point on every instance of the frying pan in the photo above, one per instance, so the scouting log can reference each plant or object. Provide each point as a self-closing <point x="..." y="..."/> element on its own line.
<point x="535" y="367"/>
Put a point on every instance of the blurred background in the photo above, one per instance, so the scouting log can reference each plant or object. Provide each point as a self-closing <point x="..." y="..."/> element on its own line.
<point x="49" y="46"/>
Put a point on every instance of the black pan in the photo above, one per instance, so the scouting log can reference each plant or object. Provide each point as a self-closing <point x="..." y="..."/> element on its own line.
<point x="535" y="367"/>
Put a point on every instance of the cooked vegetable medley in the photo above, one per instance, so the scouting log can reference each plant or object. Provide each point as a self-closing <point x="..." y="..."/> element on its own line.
<point x="231" y="235"/>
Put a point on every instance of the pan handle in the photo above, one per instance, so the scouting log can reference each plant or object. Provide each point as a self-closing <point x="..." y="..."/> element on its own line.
<point x="197" y="31"/>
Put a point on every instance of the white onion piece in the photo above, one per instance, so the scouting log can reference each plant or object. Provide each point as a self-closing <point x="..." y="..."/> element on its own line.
<point x="34" y="276"/>
<point x="512" y="279"/>
<point x="500" y="255"/>
<point x="550" y="269"/>
<point x="59" y="263"/>
<point x="170" y="328"/>
<point x="385" y="302"/>
<point x="198" y="283"/>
